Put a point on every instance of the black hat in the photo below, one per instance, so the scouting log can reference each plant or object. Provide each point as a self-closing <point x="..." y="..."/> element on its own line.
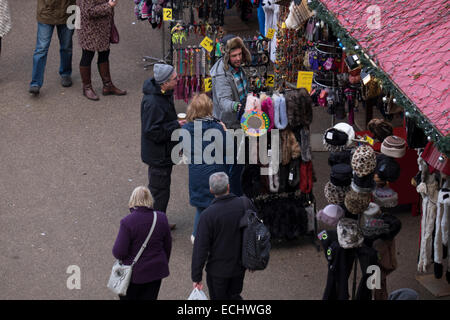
<point x="335" y="137"/>
<point x="339" y="157"/>
<point x="363" y="184"/>
<point x="387" y="168"/>
<point x="341" y="175"/>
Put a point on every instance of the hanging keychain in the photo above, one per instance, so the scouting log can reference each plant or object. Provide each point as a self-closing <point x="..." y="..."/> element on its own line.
<point x="186" y="77"/>
<point x="197" y="70"/>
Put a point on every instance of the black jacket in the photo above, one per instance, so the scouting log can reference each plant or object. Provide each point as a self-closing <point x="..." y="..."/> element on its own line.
<point x="158" y="121"/>
<point x="219" y="239"/>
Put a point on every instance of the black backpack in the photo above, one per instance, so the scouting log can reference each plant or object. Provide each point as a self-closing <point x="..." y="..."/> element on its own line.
<point x="255" y="240"/>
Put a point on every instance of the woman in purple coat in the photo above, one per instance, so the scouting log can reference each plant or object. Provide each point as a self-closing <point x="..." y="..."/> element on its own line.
<point x="153" y="265"/>
<point x="94" y="35"/>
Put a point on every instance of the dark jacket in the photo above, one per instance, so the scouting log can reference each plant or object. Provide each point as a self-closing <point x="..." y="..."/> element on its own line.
<point x="154" y="261"/>
<point x="53" y="11"/>
<point x="199" y="194"/>
<point x="158" y="121"/>
<point x="219" y="239"/>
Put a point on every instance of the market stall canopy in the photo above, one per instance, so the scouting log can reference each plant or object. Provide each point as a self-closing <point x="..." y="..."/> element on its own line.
<point x="408" y="40"/>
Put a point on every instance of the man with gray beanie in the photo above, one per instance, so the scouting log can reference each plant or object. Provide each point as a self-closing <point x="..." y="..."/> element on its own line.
<point x="158" y="121"/>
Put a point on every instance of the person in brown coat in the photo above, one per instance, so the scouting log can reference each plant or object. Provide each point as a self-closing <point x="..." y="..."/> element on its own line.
<point x="94" y="35"/>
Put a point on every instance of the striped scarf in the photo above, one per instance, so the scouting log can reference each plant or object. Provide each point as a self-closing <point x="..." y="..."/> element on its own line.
<point x="241" y="83"/>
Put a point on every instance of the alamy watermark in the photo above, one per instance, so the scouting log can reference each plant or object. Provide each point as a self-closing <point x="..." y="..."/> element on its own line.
<point x="74" y="21"/>
<point x="374" y="20"/>
<point x="74" y="280"/>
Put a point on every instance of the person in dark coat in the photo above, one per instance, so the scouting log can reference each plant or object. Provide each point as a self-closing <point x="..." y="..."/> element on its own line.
<point x="96" y="17"/>
<point x="158" y="121"/>
<point x="219" y="242"/>
<point x="153" y="265"/>
<point x="199" y="116"/>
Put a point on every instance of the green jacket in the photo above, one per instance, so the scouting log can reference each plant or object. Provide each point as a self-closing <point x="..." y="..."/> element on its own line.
<point x="54" y="11"/>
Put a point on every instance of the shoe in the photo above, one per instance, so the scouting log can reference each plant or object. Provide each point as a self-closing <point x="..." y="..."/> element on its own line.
<point x="34" y="90"/>
<point x="108" y="86"/>
<point x="172" y="226"/>
<point x="88" y="91"/>
<point x="66" y="81"/>
<point x="192" y="238"/>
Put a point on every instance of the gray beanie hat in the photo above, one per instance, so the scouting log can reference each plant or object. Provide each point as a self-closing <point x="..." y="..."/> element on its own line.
<point x="162" y="72"/>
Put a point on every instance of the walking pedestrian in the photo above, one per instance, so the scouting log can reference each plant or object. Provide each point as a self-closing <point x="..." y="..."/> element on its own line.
<point x="158" y="121"/>
<point x="153" y="264"/>
<point x="219" y="242"/>
<point x="199" y="117"/>
<point x="5" y="21"/>
<point x="230" y="87"/>
<point x="97" y="18"/>
<point x="51" y="14"/>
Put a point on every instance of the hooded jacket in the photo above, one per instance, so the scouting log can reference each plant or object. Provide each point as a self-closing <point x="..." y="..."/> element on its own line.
<point x="53" y="11"/>
<point x="158" y="121"/>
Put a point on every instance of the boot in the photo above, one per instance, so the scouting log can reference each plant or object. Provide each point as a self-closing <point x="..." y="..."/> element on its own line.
<point x="108" y="86"/>
<point x="88" y="91"/>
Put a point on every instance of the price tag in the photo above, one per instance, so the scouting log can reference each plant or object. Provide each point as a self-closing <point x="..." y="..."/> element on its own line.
<point x="270" y="33"/>
<point x="207" y="43"/>
<point x="269" y="153"/>
<point x="167" y="14"/>
<point x="283" y="26"/>
<point x="270" y="79"/>
<point x="291" y="176"/>
<point x="305" y="79"/>
<point x="369" y="140"/>
<point x="208" y="84"/>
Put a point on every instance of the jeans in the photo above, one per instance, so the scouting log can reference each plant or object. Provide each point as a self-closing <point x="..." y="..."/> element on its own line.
<point x="44" y="37"/>
<point x="197" y="219"/>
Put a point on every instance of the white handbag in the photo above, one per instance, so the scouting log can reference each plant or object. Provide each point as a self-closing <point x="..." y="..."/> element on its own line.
<point x="120" y="277"/>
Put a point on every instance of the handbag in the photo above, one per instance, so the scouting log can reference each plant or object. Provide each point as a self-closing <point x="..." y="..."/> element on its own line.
<point x="120" y="277"/>
<point x="114" y="37"/>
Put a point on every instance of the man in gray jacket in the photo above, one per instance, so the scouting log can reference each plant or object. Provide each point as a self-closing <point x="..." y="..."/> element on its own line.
<point x="229" y="90"/>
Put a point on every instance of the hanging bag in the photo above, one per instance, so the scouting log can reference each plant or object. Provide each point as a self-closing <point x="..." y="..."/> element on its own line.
<point x="120" y="277"/>
<point x="114" y="37"/>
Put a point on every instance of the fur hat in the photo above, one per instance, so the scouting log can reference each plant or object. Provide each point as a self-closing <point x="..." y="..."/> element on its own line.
<point x="232" y="44"/>
<point x="394" y="226"/>
<point x="349" y="234"/>
<point x="331" y="214"/>
<point x="280" y="113"/>
<point x="380" y="129"/>
<point x="387" y="168"/>
<point x="348" y="129"/>
<point x="357" y="202"/>
<point x="341" y="175"/>
<point x="252" y="103"/>
<point x="364" y="160"/>
<point x="335" y="194"/>
<point x="363" y="184"/>
<point x="385" y="197"/>
<point x="394" y="147"/>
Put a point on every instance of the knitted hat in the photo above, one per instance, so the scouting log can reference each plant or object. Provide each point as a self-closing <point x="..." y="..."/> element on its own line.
<point x="267" y="108"/>
<point x="380" y="129"/>
<point x="364" y="160"/>
<point x="394" y="147"/>
<point x="357" y="202"/>
<point x="341" y="175"/>
<point x="394" y="226"/>
<point x="331" y="214"/>
<point x="349" y="233"/>
<point x="232" y="44"/>
<point x="339" y="157"/>
<point x="372" y="228"/>
<point x="385" y="197"/>
<point x="335" y="194"/>
<point x="162" y="72"/>
<point x="363" y="184"/>
<point x="387" y="168"/>
<point x="348" y="129"/>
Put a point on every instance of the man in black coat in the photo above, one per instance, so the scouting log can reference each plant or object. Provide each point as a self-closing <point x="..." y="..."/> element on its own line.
<point x="219" y="242"/>
<point x="158" y="121"/>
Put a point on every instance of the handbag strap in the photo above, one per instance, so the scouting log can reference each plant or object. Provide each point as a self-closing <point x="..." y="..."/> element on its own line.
<point x="146" y="240"/>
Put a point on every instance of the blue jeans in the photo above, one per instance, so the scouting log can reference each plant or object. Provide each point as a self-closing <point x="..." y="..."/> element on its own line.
<point x="197" y="219"/>
<point x="44" y="37"/>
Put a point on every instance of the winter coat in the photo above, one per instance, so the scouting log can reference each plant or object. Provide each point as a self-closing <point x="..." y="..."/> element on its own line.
<point x="96" y="19"/>
<point x="53" y="11"/>
<point x="158" y="121"/>
<point x="299" y="107"/>
<point x="5" y="18"/>
<point x="219" y="239"/>
<point x="154" y="261"/>
<point x="199" y="194"/>
<point x="225" y="95"/>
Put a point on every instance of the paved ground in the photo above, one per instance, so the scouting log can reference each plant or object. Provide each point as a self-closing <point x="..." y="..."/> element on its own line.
<point x="68" y="166"/>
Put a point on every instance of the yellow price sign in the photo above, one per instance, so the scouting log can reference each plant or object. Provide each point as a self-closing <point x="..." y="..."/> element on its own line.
<point x="305" y="79"/>
<point x="270" y="80"/>
<point x="283" y="26"/>
<point x="167" y="14"/>
<point x="369" y="140"/>
<point x="270" y="33"/>
<point x="207" y="43"/>
<point x="208" y="84"/>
